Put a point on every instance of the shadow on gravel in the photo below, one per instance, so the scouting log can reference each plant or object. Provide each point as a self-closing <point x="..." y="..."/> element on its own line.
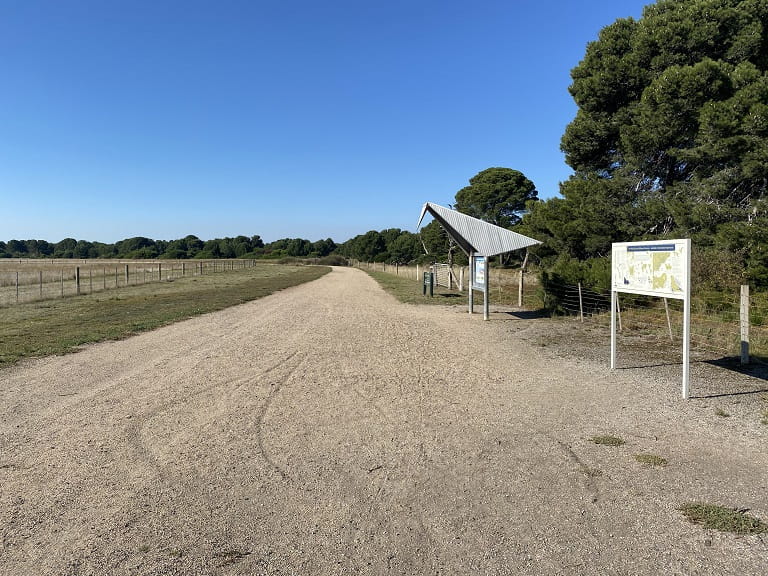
<point x="528" y="314"/>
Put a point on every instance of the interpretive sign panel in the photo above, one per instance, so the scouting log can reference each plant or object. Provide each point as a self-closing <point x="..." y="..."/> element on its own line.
<point x="655" y="268"/>
<point x="478" y="278"/>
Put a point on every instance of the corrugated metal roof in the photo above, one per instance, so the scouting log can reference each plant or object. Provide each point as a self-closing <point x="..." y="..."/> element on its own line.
<point x="475" y="235"/>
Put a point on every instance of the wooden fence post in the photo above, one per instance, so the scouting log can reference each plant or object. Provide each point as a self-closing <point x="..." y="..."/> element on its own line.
<point x="581" y="305"/>
<point x="669" y="320"/>
<point x="77" y="280"/>
<point x="159" y="271"/>
<point x="17" y="287"/>
<point x="126" y="275"/>
<point x="40" y="278"/>
<point x="62" y="282"/>
<point x="744" y="321"/>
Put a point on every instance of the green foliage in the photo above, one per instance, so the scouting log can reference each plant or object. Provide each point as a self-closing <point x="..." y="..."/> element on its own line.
<point x="607" y="440"/>
<point x="391" y="245"/>
<point x="670" y="140"/>
<point x="722" y="518"/>
<point x="190" y="246"/>
<point x="496" y="195"/>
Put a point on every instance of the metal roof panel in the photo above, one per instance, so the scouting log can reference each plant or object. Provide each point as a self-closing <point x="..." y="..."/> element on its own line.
<point x="475" y="235"/>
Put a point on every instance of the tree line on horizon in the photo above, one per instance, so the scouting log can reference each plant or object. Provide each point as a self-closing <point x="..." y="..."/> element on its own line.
<point x="670" y="140"/>
<point x="191" y="246"/>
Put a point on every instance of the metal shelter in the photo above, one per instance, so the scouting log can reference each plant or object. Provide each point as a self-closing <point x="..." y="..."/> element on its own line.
<point x="479" y="240"/>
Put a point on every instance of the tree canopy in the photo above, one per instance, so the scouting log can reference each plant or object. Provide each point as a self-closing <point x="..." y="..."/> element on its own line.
<point x="670" y="137"/>
<point x="496" y="195"/>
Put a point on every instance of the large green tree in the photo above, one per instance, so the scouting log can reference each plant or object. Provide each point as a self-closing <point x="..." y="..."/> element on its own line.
<point x="670" y="137"/>
<point x="496" y="195"/>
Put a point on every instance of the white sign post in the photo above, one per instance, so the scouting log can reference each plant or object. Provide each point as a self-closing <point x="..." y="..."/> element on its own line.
<point x="659" y="268"/>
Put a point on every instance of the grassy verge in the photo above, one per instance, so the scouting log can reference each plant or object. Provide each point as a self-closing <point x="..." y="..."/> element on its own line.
<point x="60" y="326"/>
<point x="409" y="291"/>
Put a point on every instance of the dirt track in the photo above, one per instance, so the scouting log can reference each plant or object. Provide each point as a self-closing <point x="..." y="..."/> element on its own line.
<point x="328" y="429"/>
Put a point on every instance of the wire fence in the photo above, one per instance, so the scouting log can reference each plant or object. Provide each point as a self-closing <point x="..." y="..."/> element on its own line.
<point x="715" y="316"/>
<point x="504" y="283"/>
<point x="716" y="325"/>
<point x="30" y="280"/>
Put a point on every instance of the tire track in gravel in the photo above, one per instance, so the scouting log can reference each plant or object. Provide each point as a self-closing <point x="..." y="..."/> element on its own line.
<point x="283" y="370"/>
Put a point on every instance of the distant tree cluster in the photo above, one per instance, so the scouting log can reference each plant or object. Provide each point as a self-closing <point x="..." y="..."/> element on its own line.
<point x="391" y="245"/>
<point x="191" y="246"/>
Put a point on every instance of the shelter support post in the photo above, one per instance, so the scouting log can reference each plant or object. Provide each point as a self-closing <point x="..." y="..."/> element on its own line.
<point x="471" y="280"/>
<point x="486" y="315"/>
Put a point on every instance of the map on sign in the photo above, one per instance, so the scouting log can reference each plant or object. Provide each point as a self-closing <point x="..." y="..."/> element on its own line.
<point x="656" y="268"/>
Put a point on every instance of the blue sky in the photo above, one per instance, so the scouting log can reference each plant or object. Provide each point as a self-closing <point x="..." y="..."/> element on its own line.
<point x="283" y="118"/>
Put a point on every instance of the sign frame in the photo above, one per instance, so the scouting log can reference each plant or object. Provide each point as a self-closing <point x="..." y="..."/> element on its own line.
<point x="479" y="281"/>
<point x="674" y="287"/>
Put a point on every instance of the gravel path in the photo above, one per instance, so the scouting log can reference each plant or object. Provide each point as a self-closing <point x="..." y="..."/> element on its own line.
<point x="328" y="429"/>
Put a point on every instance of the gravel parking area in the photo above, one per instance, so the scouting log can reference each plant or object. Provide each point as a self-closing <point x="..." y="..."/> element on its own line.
<point x="328" y="429"/>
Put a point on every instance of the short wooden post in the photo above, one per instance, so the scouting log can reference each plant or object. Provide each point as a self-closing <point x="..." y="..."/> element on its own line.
<point x="581" y="305"/>
<point x="40" y="278"/>
<point x="77" y="280"/>
<point x="744" y="321"/>
<point x="159" y="271"/>
<point x="183" y="269"/>
<point x="17" y="287"/>
<point x="126" y="275"/>
<point x="62" y="282"/>
<point x="105" y="277"/>
<point x="115" y="276"/>
<point x="90" y="280"/>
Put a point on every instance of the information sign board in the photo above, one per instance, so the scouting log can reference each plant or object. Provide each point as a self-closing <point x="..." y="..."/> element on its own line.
<point x="478" y="277"/>
<point x="655" y="268"/>
<point x="659" y="268"/>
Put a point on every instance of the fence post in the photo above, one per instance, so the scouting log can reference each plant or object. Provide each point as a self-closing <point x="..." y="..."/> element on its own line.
<point x="581" y="305"/>
<point x="77" y="280"/>
<point x="17" y="287"/>
<point x="40" y="278"/>
<point x="159" y="272"/>
<point x="62" y="282"/>
<point x="90" y="280"/>
<point x="669" y="320"/>
<point x="126" y="275"/>
<point x="744" y="321"/>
